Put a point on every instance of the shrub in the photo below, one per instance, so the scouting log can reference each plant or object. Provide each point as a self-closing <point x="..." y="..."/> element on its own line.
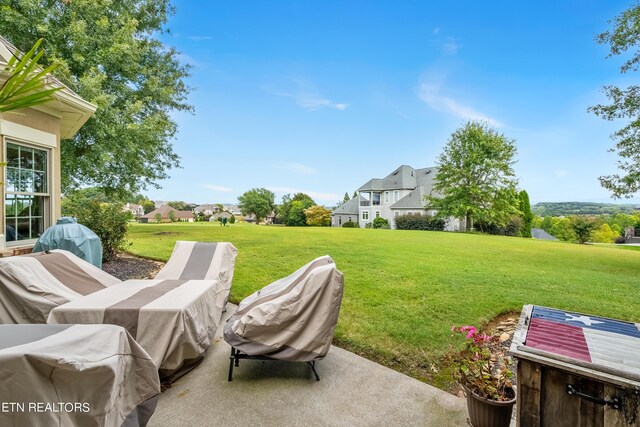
<point x="350" y="224"/>
<point x="582" y="229"/>
<point x="380" y="222"/>
<point x="108" y="221"/>
<point x="513" y="228"/>
<point x="604" y="234"/>
<point x="367" y="225"/>
<point x="419" y="222"/>
<point x="620" y="240"/>
<point x="232" y="219"/>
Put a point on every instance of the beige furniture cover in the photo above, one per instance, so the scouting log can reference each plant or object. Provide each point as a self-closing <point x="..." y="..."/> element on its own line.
<point x="173" y="320"/>
<point x="200" y="261"/>
<point x="74" y="375"/>
<point x="293" y="318"/>
<point x="31" y="285"/>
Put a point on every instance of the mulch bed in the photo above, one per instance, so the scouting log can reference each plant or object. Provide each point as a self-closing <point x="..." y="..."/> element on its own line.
<point x="125" y="267"/>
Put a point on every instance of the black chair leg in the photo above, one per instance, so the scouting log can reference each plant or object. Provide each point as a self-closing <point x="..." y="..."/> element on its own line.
<point x="232" y="358"/>
<point x="313" y="368"/>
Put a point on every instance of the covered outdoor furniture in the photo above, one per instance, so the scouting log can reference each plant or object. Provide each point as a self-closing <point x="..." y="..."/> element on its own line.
<point x="67" y="234"/>
<point x="31" y="285"/>
<point x="81" y="375"/>
<point x="292" y="319"/>
<point x="200" y="261"/>
<point x="173" y="320"/>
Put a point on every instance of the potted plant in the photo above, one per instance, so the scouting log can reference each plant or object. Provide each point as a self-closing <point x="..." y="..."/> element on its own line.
<point x="483" y="371"/>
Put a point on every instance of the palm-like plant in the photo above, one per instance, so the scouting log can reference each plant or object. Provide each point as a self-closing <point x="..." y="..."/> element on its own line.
<point x="25" y="86"/>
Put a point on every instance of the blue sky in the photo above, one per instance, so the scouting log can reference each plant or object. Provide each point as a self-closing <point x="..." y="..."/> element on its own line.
<point x="320" y="97"/>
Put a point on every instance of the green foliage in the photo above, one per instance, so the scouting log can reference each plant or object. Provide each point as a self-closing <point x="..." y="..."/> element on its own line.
<point x="109" y="52"/>
<point x="625" y="102"/>
<point x="547" y="224"/>
<point x="232" y="219"/>
<point x="562" y="229"/>
<point x="172" y="216"/>
<point x="346" y="197"/>
<point x="419" y="222"/>
<point x="512" y="228"/>
<point x="582" y="228"/>
<point x="581" y="208"/>
<point x="257" y="201"/>
<point x="158" y="217"/>
<point x="107" y="220"/>
<point x="536" y="222"/>
<point x="147" y="205"/>
<point x="350" y="224"/>
<point x="604" y="234"/>
<point x="355" y="195"/>
<point x="25" y="85"/>
<point x="527" y="215"/>
<point x="380" y="222"/>
<point x="318" y="216"/>
<point x="475" y="176"/>
<point x="182" y="206"/>
<point x="292" y="210"/>
<point x="73" y="200"/>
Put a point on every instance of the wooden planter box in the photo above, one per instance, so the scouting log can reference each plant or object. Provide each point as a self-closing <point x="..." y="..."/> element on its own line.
<point x="576" y="370"/>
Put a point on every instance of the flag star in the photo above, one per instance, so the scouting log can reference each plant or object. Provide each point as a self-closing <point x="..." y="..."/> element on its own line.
<point x="584" y="319"/>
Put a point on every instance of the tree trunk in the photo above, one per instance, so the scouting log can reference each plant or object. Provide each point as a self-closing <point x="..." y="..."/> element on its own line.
<point x="468" y="222"/>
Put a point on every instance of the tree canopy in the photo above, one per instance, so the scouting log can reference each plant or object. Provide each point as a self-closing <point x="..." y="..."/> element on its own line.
<point x="257" y="201"/>
<point x="292" y="209"/>
<point x="108" y="52"/>
<point x="624" y="104"/>
<point x="475" y="178"/>
<point x="318" y="216"/>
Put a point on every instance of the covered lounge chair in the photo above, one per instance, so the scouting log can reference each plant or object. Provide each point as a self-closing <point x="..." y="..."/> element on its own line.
<point x="81" y="375"/>
<point x="292" y="319"/>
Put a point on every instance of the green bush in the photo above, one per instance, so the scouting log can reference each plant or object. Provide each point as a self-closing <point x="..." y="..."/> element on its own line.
<point x="350" y="224"/>
<point x="380" y="222"/>
<point x="232" y="219"/>
<point x="419" y="222"/>
<point x="107" y="220"/>
<point x="514" y="228"/>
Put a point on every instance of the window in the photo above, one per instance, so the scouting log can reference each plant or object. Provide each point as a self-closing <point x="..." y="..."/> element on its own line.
<point x="396" y="214"/>
<point x="386" y="197"/>
<point x="377" y="214"/>
<point x="339" y="220"/>
<point x="396" y="195"/>
<point x="26" y="197"/>
<point x="376" y="199"/>
<point x="365" y="215"/>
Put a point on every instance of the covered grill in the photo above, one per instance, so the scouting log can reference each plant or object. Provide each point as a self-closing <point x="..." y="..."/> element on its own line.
<point x="67" y="234"/>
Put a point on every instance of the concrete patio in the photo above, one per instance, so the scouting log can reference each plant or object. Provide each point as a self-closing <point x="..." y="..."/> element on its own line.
<point x="352" y="391"/>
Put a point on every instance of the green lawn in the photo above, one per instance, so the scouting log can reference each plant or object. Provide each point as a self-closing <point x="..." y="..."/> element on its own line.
<point x="405" y="289"/>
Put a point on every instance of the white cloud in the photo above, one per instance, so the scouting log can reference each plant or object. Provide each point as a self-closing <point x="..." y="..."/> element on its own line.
<point x="330" y="197"/>
<point x="450" y="46"/>
<point x="430" y="94"/>
<point x="200" y="38"/>
<point x="218" y="188"/>
<point x="297" y="168"/>
<point x="561" y="172"/>
<point x="307" y="97"/>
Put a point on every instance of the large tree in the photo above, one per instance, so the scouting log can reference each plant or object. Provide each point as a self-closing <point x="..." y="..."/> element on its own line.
<point x="257" y="201"/>
<point x="624" y="104"/>
<point x="108" y="52"/>
<point x="475" y="178"/>
<point x="527" y="215"/>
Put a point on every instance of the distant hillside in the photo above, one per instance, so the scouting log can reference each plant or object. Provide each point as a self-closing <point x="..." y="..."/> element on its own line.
<point x="581" y="208"/>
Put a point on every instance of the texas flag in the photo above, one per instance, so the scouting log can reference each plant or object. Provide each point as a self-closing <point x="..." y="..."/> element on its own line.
<point x="597" y="340"/>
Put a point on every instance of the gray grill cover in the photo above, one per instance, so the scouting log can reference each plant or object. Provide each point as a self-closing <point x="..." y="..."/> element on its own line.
<point x="67" y="234"/>
<point x="293" y="318"/>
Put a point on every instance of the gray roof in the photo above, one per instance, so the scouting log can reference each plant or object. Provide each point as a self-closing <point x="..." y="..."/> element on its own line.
<point x="403" y="178"/>
<point x="348" y="208"/>
<point x="413" y="200"/>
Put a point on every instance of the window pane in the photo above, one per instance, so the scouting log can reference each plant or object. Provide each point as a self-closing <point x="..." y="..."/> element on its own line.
<point x="37" y="227"/>
<point x="40" y="160"/>
<point x="39" y="182"/>
<point x="37" y="206"/>
<point x="26" y="158"/>
<point x="9" y="205"/>
<point x="26" y="181"/>
<point x="23" y="228"/>
<point x="12" y="156"/>
<point x="13" y="178"/>
<point x="23" y="205"/>
<point x="10" y="230"/>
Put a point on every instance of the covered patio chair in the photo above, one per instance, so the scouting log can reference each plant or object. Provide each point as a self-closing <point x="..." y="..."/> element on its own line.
<point x="292" y="319"/>
<point x="81" y="375"/>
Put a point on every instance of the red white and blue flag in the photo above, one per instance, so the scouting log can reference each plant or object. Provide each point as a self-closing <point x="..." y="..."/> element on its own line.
<point x="592" y="339"/>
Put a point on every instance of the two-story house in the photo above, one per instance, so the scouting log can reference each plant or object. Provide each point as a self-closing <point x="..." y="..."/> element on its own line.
<point x="401" y="192"/>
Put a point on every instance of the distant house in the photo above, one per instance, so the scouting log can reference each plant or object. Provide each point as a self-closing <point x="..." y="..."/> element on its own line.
<point x="207" y="209"/>
<point x="233" y="209"/>
<point x="401" y="192"/>
<point x="183" y="216"/>
<point x="216" y="216"/>
<point x="159" y="203"/>
<point x="136" y="210"/>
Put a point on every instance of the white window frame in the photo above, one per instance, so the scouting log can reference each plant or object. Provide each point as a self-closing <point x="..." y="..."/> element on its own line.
<point x="386" y="197"/>
<point x="365" y="215"/>
<point x="396" y="195"/>
<point x="396" y="214"/>
<point x="48" y="195"/>
<point x="377" y="214"/>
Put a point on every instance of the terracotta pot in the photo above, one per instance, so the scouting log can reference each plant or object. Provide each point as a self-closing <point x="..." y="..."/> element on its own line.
<point x="488" y="413"/>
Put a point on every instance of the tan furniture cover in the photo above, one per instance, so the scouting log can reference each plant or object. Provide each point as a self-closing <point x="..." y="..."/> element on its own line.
<point x="31" y="285"/>
<point x="293" y="318"/>
<point x="74" y="375"/>
<point x="200" y="261"/>
<point x="173" y="320"/>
